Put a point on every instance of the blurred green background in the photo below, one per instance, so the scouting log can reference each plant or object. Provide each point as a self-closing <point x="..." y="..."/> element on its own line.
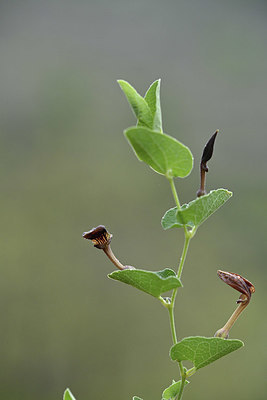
<point x="66" y="167"/>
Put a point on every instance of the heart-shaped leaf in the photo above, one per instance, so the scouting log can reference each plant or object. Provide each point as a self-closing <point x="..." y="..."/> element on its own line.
<point x="161" y="152"/>
<point x="152" y="98"/>
<point x="68" y="395"/>
<point x="172" y="391"/>
<point x="153" y="283"/>
<point x="138" y="103"/>
<point x="197" y="211"/>
<point x="202" y="350"/>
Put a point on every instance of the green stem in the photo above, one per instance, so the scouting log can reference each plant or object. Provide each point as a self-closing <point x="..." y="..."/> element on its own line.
<point x="177" y="202"/>
<point x="184" y="253"/>
<point x="188" y="237"/>
<point x="171" y="310"/>
<point x="181" y="264"/>
<point x="172" y="323"/>
<point x="174" y="293"/>
<point x="174" y="192"/>
<point x="181" y="388"/>
<point x="174" y="336"/>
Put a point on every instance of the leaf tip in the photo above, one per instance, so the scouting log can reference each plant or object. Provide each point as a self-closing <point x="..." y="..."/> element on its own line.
<point x="127" y="131"/>
<point x="68" y="395"/>
<point x="122" y="83"/>
<point x="119" y="81"/>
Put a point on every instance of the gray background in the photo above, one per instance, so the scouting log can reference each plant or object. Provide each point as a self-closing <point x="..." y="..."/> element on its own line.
<point x="66" y="167"/>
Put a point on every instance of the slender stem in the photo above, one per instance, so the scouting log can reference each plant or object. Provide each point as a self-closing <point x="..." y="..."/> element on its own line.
<point x="180" y="268"/>
<point x="171" y="307"/>
<point x="188" y="236"/>
<point x="172" y="323"/>
<point x="181" y="388"/>
<point x="179" y="273"/>
<point x="184" y="253"/>
<point x="174" y="192"/>
<point x="171" y="311"/>
<point x="174" y="336"/>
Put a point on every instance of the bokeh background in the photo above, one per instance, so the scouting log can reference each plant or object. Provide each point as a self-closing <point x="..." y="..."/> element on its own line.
<point x="66" y="167"/>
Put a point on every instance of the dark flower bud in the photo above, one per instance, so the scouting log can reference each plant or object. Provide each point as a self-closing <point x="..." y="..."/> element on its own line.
<point x="208" y="151"/>
<point x="206" y="156"/>
<point x="100" y="237"/>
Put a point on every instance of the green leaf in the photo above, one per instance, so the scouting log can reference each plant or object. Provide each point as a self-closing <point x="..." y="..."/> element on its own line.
<point x="68" y="395"/>
<point x="202" y="350"/>
<point x="137" y="398"/>
<point x="138" y="103"/>
<point x="161" y="152"/>
<point x="153" y="283"/>
<point x="172" y="391"/>
<point x="197" y="211"/>
<point x="169" y="219"/>
<point x="201" y="208"/>
<point x="152" y="98"/>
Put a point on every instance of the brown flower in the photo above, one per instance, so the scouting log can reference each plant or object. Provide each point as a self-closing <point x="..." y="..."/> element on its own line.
<point x="101" y="239"/>
<point x="99" y="236"/>
<point x="239" y="283"/>
<point x="246" y="289"/>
